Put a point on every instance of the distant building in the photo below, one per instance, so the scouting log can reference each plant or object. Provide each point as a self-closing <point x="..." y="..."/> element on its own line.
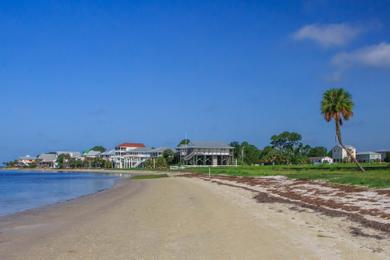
<point x="369" y="157"/>
<point x="47" y="160"/>
<point x="206" y="153"/>
<point x="339" y="154"/>
<point x="383" y="154"/>
<point x="27" y="160"/>
<point x="321" y="160"/>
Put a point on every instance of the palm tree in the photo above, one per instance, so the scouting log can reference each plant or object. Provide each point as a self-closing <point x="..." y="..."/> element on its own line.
<point x="337" y="104"/>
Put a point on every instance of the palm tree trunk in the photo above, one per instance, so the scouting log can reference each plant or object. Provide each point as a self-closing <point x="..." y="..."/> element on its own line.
<point x="338" y="134"/>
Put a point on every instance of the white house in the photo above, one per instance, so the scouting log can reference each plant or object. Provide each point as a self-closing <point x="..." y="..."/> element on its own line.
<point x="321" y="160"/>
<point x="71" y="154"/>
<point x="339" y="154"/>
<point x="369" y="157"/>
<point x="133" y="155"/>
<point x="91" y="154"/>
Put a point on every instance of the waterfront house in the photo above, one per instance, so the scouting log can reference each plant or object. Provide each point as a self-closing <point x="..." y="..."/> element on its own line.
<point x="321" y="160"/>
<point x="47" y="160"/>
<point x="368" y="157"/>
<point x="27" y="160"/>
<point x="133" y="155"/>
<point x="339" y="154"/>
<point x="206" y="153"/>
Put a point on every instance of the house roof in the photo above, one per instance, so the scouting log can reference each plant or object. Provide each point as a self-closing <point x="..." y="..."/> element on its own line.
<point x="27" y="157"/>
<point x="204" y="144"/>
<point x="92" y="153"/>
<point x="131" y="145"/>
<point x="47" y="157"/>
<point x="110" y="152"/>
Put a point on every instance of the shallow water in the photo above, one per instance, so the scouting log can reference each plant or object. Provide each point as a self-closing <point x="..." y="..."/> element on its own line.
<point x="22" y="190"/>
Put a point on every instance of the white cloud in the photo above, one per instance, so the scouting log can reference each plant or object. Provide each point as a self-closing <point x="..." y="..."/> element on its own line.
<point x="372" y="56"/>
<point x="328" y="35"/>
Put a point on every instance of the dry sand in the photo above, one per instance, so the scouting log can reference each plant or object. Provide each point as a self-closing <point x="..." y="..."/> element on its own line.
<point x="179" y="218"/>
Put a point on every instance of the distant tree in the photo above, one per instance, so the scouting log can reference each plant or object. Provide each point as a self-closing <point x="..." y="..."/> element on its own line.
<point x="387" y="157"/>
<point x="63" y="161"/>
<point x="237" y="148"/>
<point x="169" y="156"/>
<point x="250" y="153"/>
<point x="337" y="104"/>
<point x="184" y="141"/>
<point x="98" y="148"/>
<point x="287" y="141"/>
<point x="318" y="151"/>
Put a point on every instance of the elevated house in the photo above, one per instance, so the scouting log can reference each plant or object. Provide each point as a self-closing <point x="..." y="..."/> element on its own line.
<point x="339" y="154"/>
<point x="91" y="154"/>
<point x="206" y="153"/>
<point x="133" y="155"/>
<point x="368" y="157"/>
<point x="47" y="160"/>
<point x="71" y="154"/>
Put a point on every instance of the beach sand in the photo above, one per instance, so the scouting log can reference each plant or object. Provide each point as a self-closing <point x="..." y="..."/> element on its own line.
<point x="179" y="218"/>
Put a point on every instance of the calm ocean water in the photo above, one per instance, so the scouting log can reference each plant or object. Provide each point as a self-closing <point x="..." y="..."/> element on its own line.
<point x="22" y="190"/>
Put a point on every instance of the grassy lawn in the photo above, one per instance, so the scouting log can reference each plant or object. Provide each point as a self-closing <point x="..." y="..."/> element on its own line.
<point x="149" y="176"/>
<point x="377" y="175"/>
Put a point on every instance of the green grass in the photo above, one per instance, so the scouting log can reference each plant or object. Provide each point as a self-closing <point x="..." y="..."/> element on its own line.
<point x="149" y="176"/>
<point x="376" y="176"/>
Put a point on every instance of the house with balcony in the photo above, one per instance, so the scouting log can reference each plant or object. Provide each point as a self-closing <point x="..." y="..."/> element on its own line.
<point x="47" y="160"/>
<point x="206" y="153"/>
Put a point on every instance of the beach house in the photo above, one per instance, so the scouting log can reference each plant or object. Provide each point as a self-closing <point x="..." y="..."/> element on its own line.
<point x="47" y="160"/>
<point x="368" y="157"/>
<point x="27" y="160"/>
<point x="133" y="155"/>
<point x="339" y="154"/>
<point x="384" y="154"/>
<point x="206" y="153"/>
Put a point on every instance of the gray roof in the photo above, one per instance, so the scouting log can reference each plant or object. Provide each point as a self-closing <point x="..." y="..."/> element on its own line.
<point x="27" y="157"/>
<point x="92" y="153"/>
<point x="108" y="153"/>
<point x="202" y="144"/>
<point x="47" y="157"/>
<point x="370" y="153"/>
<point x="73" y="154"/>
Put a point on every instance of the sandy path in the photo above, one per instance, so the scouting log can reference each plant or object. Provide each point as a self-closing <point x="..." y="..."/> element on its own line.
<point x="172" y="218"/>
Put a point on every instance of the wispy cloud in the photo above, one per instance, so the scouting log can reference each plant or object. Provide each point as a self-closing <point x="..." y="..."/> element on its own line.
<point x="328" y="35"/>
<point x="373" y="56"/>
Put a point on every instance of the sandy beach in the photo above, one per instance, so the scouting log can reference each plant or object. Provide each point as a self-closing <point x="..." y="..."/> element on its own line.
<point x="181" y="218"/>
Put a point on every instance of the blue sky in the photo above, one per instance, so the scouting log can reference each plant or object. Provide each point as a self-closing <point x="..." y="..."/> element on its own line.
<point x="78" y="73"/>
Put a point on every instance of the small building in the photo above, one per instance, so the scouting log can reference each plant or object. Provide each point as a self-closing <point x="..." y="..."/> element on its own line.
<point x="206" y="153"/>
<point x="47" y="160"/>
<point x="368" y="157"/>
<point x="27" y="160"/>
<point x="321" y="160"/>
<point x="339" y="154"/>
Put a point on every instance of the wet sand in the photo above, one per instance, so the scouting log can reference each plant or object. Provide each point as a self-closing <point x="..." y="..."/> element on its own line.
<point x="178" y="218"/>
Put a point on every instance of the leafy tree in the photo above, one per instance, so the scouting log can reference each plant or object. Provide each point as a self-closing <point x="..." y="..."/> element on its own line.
<point x="387" y="157"/>
<point x="63" y="161"/>
<point x="158" y="163"/>
<point x="287" y="141"/>
<point x="184" y="141"/>
<point x="250" y="153"/>
<point x="237" y="148"/>
<point x="169" y="156"/>
<point x="99" y="148"/>
<point x="337" y="104"/>
<point x="318" y="151"/>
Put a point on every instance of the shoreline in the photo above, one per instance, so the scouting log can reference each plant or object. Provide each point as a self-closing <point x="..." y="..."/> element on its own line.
<point x="97" y="171"/>
<point x="180" y="217"/>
